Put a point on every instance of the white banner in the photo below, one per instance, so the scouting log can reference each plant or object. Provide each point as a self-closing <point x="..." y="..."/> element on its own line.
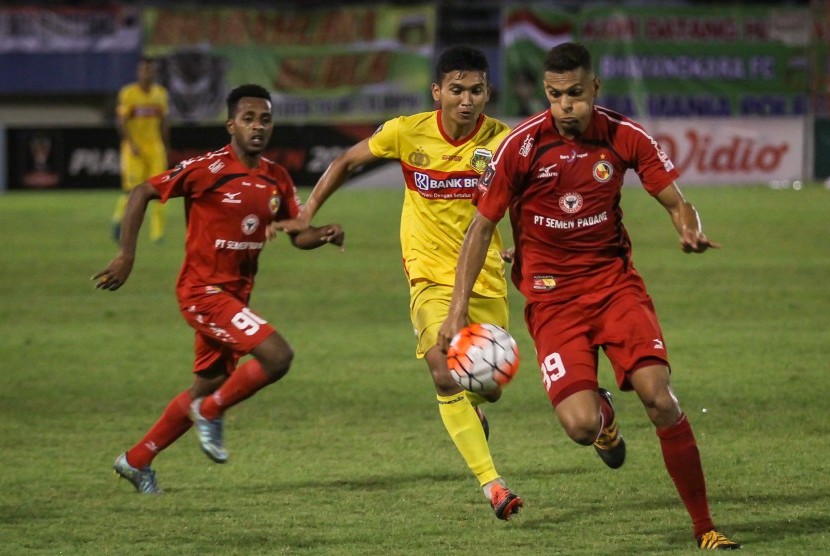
<point x="719" y="151"/>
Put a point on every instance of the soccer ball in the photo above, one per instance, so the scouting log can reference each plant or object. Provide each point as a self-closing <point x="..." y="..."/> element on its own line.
<point x="483" y="357"/>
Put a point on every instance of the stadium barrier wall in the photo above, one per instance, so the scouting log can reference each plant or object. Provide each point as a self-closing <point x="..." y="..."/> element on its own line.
<point x="706" y="151"/>
<point x="47" y="158"/>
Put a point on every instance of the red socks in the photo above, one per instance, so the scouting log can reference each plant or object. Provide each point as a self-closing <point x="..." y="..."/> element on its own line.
<point x="245" y="381"/>
<point x="682" y="460"/>
<point x="173" y="423"/>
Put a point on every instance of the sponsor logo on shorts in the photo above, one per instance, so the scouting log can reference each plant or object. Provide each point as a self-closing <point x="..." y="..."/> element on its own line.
<point x="543" y="282"/>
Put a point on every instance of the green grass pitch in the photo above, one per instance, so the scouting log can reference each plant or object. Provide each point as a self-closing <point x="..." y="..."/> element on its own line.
<point x="347" y="454"/>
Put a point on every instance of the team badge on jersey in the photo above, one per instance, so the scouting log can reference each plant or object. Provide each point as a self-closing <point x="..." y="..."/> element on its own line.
<point x="274" y="203"/>
<point x="481" y="158"/>
<point x="570" y="202"/>
<point x="603" y="171"/>
<point x="419" y="158"/>
<point x="249" y="224"/>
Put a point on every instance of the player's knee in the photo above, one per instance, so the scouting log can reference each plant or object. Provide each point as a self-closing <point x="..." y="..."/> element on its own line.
<point x="662" y="408"/>
<point x="582" y="430"/>
<point x="278" y="364"/>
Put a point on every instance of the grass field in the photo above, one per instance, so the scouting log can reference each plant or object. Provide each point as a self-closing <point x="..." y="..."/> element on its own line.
<point x="347" y="455"/>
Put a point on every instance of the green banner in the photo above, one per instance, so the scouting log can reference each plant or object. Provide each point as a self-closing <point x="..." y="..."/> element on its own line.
<point x="325" y="65"/>
<point x="672" y="62"/>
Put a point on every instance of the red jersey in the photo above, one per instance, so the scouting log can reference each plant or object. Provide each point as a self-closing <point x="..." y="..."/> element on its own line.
<point x="564" y="200"/>
<point x="228" y="207"/>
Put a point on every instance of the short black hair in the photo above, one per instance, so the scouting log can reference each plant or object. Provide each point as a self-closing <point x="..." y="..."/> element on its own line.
<point x="248" y="90"/>
<point x="460" y="58"/>
<point x="568" y="56"/>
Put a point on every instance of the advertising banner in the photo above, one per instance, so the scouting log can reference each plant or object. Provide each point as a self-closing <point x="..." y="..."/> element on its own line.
<point x="345" y="64"/>
<point x="675" y="62"/>
<point x="714" y="151"/>
<point x="88" y="157"/>
<point x="68" y="49"/>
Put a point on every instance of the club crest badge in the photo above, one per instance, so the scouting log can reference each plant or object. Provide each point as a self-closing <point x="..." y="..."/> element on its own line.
<point x="603" y="171"/>
<point x="481" y="158"/>
<point x="274" y="204"/>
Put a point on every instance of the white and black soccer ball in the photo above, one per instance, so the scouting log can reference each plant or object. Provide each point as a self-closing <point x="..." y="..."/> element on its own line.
<point x="483" y="357"/>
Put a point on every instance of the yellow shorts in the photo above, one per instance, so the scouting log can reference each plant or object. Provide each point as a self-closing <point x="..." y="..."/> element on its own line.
<point x="429" y="305"/>
<point x="138" y="169"/>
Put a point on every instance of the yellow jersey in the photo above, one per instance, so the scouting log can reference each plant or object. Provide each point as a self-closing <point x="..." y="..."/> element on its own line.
<point x="142" y="113"/>
<point x="440" y="175"/>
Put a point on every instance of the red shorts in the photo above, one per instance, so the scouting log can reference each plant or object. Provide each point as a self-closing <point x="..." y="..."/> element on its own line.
<point x="226" y="329"/>
<point x="621" y="320"/>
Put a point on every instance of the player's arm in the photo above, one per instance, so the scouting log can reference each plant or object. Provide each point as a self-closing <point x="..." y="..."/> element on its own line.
<point x="686" y="220"/>
<point x="118" y="270"/>
<point x="314" y="237"/>
<point x="470" y="261"/>
<point x="335" y="175"/>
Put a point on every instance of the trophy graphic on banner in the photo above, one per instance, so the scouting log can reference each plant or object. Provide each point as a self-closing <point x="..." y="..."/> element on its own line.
<point x="39" y="171"/>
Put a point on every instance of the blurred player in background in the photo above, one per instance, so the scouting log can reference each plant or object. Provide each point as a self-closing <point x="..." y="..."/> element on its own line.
<point x="141" y="117"/>
<point x="231" y="196"/>
<point x="442" y="153"/>
<point x="560" y="173"/>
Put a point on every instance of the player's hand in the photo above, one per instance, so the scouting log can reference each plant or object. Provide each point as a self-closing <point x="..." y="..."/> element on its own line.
<point x="291" y="226"/>
<point x="334" y="234"/>
<point x="449" y="328"/>
<point x="693" y="241"/>
<point x="508" y="254"/>
<point x="115" y="275"/>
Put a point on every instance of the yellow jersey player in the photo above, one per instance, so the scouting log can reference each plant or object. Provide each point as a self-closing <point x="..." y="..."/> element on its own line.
<point x="442" y="154"/>
<point x="141" y="116"/>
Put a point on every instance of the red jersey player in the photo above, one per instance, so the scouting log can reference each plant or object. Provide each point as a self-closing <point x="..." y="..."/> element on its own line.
<point x="231" y="196"/>
<point x="560" y="174"/>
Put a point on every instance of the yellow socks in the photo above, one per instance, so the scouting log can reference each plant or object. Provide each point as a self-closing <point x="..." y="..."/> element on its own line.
<point x="120" y="205"/>
<point x="464" y="428"/>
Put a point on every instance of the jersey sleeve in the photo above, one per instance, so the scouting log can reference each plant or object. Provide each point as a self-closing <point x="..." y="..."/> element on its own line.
<point x="652" y="164"/>
<point x="384" y="141"/>
<point x="496" y="186"/>
<point x="176" y="182"/>
<point x="290" y="205"/>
